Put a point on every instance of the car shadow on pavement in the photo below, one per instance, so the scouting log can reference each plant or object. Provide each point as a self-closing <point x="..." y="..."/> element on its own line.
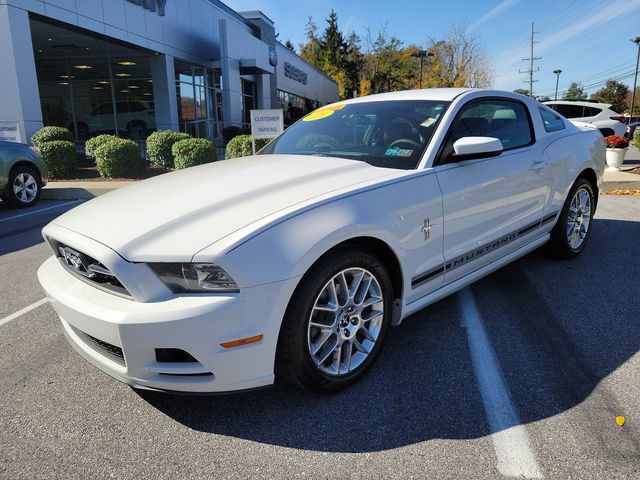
<point x="553" y="343"/>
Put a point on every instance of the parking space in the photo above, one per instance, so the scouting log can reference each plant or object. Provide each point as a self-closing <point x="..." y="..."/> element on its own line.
<point x="520" y="375"/>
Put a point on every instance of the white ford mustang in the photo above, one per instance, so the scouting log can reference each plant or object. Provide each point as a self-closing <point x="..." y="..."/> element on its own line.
<point x="294" y="262"/>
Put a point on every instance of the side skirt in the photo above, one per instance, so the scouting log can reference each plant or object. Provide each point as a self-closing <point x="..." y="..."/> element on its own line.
<point x="468" y="279"/>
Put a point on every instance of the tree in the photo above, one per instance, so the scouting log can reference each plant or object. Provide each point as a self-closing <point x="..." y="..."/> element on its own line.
<point x="522" y="91"/>
<point x="289" y="45"/>
<point x="459" y="61"/>
<point x="338" y="57"/>
<point x="636" y="108"/>
<point x="614" y="93"/>
<point x="574" y="92"/>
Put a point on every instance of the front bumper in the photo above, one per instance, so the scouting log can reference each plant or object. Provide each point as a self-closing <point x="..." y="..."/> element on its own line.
<point x="102" y="326"/>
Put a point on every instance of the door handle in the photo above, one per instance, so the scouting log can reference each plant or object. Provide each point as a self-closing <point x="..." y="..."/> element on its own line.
<point x="538" y="165"/>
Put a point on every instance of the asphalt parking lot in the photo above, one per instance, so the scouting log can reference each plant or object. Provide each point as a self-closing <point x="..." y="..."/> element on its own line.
<point x="521" y="375"/>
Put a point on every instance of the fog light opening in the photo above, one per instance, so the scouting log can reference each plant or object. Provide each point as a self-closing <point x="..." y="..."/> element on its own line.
<point x="173" y="355"/>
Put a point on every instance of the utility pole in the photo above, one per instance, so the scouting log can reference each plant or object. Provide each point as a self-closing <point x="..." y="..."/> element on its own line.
<point x="531" y="59"/>
<point x="421" y="54"/>
<point x="557" y="72"/>
<point x="635" y="79"/>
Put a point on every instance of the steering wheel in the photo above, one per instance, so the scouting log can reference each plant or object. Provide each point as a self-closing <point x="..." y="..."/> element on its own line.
<point x="414" y="143"/>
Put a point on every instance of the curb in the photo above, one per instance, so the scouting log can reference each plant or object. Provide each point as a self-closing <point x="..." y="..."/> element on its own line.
<point x="611" y="186"/>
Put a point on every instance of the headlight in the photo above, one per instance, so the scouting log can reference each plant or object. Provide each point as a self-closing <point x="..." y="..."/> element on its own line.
<point x="194" y="277"/>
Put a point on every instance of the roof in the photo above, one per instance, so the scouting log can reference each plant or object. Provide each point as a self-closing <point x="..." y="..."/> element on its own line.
<point x="442" y="94"/>
<point x="582" y="103"/>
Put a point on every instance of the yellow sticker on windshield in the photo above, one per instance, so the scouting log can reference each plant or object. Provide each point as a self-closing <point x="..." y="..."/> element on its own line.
<point x="323" y="112"/>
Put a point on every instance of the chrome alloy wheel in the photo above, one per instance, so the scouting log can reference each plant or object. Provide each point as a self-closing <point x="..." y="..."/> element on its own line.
<point x="579" y="218"/>
<point x="25" y="187"/>
<point x="345" y="321"/>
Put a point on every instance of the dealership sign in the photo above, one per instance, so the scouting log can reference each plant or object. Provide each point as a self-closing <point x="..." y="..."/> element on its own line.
<point x="10" y="132"/>
<point x="295" y="73"/>
<point x="152" y="5"/>
<point x="266" y="124"/>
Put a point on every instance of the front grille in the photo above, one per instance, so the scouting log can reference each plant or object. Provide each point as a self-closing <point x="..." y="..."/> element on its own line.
<point x="88" y="269"/>
<point x="108" y="350"/>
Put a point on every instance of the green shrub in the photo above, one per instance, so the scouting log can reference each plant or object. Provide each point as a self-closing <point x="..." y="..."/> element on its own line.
<point x="49" y="134"/>
<point x="92" y="144"/>
<point x="159" y="146"/>
<point x="636" y="139"/>
<point x="117" y="157"/>
<point x="59" y="157"/>
<point x="193" y="151"/>
<point x="240" y="146"/>
<point x="229" y="133"/>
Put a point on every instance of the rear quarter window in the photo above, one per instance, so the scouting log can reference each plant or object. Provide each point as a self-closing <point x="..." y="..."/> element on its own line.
<point x="552" y="121"/>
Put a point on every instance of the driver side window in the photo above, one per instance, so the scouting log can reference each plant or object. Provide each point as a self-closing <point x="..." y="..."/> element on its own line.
<point x="508" y="121"/>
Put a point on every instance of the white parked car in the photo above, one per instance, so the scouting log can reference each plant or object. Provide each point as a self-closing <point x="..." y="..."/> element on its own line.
<point x="599" y="115"/>
<point x="295" y="262"/>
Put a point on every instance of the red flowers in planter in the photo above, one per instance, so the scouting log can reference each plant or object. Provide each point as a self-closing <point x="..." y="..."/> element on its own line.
<point x="616" y="141"/>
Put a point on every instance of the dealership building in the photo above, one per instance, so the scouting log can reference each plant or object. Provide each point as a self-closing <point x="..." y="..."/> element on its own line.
<point x="133" y="66"/>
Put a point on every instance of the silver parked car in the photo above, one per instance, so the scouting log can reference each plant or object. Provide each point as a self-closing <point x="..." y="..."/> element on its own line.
<point x="22" y="174"/>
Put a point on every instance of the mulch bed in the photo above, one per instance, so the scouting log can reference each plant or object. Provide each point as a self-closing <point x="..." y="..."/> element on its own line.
<point x="88" y="173"/>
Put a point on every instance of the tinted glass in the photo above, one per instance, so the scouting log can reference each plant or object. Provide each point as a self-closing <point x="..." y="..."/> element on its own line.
<point x="591" y="111"/>
<point x="552" y="121"/>
<point x="569" y="111"/>
<point x="501" y="119"/>
<point x="391" y="134"/>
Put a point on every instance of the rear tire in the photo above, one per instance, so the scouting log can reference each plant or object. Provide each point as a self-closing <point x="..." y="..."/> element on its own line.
<point x="573" y="228"/>
<point x="347" y="325"/>
<point x="23" y="188"/>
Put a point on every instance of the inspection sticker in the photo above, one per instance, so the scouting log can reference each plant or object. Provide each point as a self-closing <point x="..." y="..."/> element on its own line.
<point x="323" y="112"/>
<point x="398" y="152"/>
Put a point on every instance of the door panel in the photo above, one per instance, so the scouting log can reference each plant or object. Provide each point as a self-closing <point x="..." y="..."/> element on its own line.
<point x="491" y="205"/>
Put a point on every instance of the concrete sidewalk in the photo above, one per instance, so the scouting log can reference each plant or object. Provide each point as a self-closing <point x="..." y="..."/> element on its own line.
<point x="80" y="190"/>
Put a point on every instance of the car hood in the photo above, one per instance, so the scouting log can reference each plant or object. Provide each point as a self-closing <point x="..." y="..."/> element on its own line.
<point x="173" y="216"/>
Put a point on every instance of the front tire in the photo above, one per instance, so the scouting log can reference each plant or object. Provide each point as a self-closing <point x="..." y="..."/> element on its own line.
<point x="336" y="322"/>
<point x="23" y="189"/>
<point x="573" y="228"/>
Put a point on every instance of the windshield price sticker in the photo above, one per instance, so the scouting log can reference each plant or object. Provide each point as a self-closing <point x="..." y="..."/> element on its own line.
<point x="323" y="112"/>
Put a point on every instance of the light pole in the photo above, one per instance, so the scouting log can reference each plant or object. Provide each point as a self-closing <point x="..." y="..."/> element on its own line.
<point x="421" y="54"/>
<point x="557" y="72"/>
<point x="635" y="79"/>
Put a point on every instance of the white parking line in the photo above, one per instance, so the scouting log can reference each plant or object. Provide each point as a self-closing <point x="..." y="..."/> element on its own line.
<point x="510" y="438"/>
<point x="33" y="212"/>
<point x="19" y="313"/>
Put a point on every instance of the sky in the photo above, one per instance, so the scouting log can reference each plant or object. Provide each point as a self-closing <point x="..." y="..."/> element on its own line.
<point x="589" y="40"/>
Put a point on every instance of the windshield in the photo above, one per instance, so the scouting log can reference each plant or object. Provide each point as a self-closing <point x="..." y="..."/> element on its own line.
<point x="392" y="134"/>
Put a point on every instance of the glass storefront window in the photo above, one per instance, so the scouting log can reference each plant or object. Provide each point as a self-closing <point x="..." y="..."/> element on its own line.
<point x="91" y="90"/>
<point x="197" y="89"/>
<point x="294" y="106"/>
<point x="248" y="101"/>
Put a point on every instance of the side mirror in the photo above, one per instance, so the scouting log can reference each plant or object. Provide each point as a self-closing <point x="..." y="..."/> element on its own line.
<point x="468" y="148"/>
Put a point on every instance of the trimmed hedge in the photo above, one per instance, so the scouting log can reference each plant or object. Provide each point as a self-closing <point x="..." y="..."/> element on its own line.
<point x="117" y="157"/>
<point x="49" y="134"/>
<point x="59" y="157"/>
<point x="193" y="151"/>
<point x="159" y="145"/>
<point x="94" y="143"/>
<point x="240" y="146"/>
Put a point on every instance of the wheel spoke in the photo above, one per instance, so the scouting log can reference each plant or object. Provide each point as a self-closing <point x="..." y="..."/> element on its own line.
<point x="348" y="348"/>
<point x="328" y="353"/>
<point x="320" y="342"/>
<point x="355" y="284"/>
<point x="337" y="357"/>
